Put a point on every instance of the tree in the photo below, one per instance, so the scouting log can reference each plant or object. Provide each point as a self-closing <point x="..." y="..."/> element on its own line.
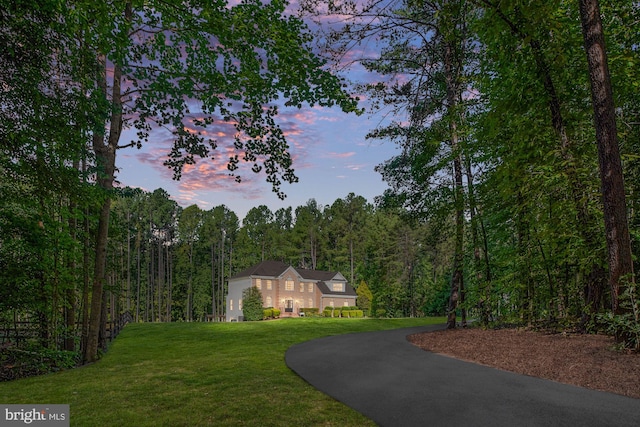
<point x="43" y="135"/>
<point x="258" y="222"/>
<point x="612" y="181"/>
<point x="252" y="304"/>
<point x="306" y="231"/>
<point x="365" y="297"/>
<point x="154" y="60"/>
<point x="188" y="228"/>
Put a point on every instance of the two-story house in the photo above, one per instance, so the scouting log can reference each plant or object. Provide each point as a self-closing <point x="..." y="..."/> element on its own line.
<point x="289" y="289"/>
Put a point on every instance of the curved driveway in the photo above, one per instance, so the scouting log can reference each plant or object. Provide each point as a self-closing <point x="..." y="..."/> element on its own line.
<point x="396" y="384"/>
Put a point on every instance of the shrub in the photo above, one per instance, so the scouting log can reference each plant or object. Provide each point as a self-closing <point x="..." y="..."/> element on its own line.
<point x="381" y="312"/>
<point x="267" y="313"/>
<point x="31" y="360"/>
<point x="276" y="312"/>
<point x="625" y="327"/>
<point x="365" y="297"/>
<point x="252" y="304"/>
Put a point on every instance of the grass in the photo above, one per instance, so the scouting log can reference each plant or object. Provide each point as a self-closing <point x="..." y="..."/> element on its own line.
<point x="200" y="374"/>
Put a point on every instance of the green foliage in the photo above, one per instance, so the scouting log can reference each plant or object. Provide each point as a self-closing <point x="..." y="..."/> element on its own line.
<point x="31" y="360"/>
<point x="311" y="311"/>
<point x="626" y="325"/>
<point x="349" y="313"/>
<point x="365" y="296"/>
<point x="252" y="304"/>
<point x="271" y="313"/>
<point x="437" y="300"/>
<point x="380" y="313"/>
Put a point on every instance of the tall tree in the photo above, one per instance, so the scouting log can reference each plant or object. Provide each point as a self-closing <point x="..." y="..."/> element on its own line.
<point x="189" y="228"/>
<point x="612" y="181"/>
<point x="307" y="230"/>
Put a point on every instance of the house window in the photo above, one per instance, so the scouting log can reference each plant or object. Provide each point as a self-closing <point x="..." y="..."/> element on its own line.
<point x="337" y="287"/>
<point x="301" y="287"/>
<point x="310" y="287"/>
<point x="310" y="302"/>
<point x="288" y="285"/>
<point x="269" y="302"/>
<point x="331" y="303"/>
<point x="259" y="283"/>
<point x="230" y="305"/>
<point x="240" y="304"/>
<point x="268" y="285"/>
<point x="346" y="303"/>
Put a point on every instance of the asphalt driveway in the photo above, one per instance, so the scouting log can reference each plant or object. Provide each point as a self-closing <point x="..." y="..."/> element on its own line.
<point x="396" y="384"/>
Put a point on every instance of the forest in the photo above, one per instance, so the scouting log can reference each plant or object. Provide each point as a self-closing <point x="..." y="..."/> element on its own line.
<point x="515" y="199"/>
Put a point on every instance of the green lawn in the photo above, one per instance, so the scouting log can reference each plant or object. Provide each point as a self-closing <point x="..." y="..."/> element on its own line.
<point x="199" y="374"/>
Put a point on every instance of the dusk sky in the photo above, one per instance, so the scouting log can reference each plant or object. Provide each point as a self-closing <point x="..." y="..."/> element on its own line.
<point x="331" y="158"/>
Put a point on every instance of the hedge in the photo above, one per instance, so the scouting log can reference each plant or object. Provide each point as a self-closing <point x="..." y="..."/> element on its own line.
<point x="270" y="313"/>
<point x="342" y="312"/>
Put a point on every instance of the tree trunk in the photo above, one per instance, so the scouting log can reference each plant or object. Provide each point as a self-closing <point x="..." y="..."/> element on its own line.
<point x="457" y="280"/>
<point x="610" y="164"/>
<point x="70" y="305"/>
<point x="189" y="313"/>
<point x="105" y="153"/>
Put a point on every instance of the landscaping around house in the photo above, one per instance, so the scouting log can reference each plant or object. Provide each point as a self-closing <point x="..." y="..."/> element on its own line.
<point x="200" y="374"/>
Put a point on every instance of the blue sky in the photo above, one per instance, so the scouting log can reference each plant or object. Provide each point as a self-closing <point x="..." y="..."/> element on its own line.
<point x="330" y="154"/>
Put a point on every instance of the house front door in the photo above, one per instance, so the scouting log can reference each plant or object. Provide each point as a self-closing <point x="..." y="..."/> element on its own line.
<point x="288" y="306"/>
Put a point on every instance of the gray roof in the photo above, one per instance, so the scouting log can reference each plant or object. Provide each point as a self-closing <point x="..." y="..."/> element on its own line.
<point x="325" y="290"/>
<point x="316" y="274"/>
<point x="265" y="268"/>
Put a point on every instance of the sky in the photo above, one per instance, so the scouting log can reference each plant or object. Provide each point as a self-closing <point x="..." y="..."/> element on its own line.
<point x="330" y="153"/>
<point x="331" y="158"/>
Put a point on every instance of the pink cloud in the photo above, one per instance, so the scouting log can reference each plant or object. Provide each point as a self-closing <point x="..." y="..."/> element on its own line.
<point x="334" y="155"/>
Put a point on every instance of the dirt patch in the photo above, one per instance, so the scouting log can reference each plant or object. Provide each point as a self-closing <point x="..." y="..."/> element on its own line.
<point x="588" y="361"/>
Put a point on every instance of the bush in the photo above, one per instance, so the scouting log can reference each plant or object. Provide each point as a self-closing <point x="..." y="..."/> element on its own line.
<point x="276" y="313"/>
<point x="33" y="360"/>
<point x="312" y="311"/>
<point x="252" y="304"/>
<point x="381" y="312"/>
<point x="625" y="327"/>
<point x="267" y="313"/>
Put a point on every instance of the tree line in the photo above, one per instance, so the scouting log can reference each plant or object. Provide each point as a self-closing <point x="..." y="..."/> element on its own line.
<point x="170" y="263"/>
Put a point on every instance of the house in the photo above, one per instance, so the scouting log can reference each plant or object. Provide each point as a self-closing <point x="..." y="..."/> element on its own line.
<point x="289" y="289"/>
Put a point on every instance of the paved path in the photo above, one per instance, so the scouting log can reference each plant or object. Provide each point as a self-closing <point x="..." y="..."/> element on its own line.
<point x="396" y="384"/>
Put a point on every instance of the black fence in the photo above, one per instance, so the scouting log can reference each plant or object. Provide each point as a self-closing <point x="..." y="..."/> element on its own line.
<point x="20" y="331"/>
